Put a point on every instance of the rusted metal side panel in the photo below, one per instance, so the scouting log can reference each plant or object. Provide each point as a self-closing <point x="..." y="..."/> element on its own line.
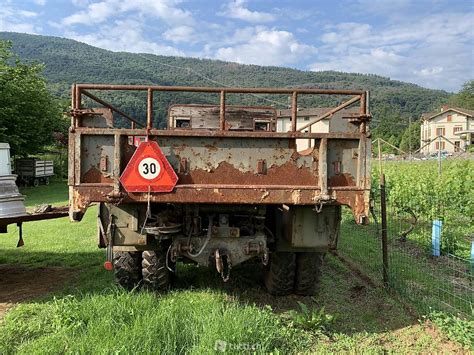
<point x="229" y="171"/>
<point x="232" y="159"/>
<point x="225" y="170"/>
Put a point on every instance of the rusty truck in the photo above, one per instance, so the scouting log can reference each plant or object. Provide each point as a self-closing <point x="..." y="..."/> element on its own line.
<point x="221" y="184"/>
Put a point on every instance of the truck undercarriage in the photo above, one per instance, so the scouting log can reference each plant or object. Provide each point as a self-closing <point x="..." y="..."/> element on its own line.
<point x="244" y="190"/>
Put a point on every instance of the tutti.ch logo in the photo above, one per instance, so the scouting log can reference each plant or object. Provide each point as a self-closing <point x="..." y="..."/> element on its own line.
<point x="220" y="345"/>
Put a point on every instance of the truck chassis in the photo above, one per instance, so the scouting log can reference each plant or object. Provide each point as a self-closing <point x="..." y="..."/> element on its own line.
<point x="242" y="194"/>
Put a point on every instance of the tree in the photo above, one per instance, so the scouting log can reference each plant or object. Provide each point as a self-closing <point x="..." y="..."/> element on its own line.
<point x="411" y="138"/>
<point x="465" y="97"/>
<point x="29" y="115"/>
<point x="389" y="124"/>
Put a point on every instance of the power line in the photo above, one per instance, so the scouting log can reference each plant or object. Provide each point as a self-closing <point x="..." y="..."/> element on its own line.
<point x="191" y="70"/>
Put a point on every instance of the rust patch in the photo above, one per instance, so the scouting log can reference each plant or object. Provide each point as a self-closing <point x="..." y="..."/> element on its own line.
<point x="211" y="148"/>
<point x="94" y="175"/>
<point x="341" y="180"/>
<point x="227" y="174"/>
<point x="127" y="153"/>
<point x="356" y="201"/>
<point x="306" y="152"/>
<point x="178" y="149"/>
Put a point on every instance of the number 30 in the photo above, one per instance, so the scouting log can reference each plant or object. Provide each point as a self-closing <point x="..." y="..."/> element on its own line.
<point x="149" y="168"/>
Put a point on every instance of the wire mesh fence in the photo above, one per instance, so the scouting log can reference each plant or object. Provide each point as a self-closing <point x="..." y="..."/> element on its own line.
<point x="430" y="233"/>
<point x="429" y="261"/>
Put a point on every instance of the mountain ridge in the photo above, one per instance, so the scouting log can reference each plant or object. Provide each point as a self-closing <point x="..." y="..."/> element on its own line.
<point x="68" y="61"/>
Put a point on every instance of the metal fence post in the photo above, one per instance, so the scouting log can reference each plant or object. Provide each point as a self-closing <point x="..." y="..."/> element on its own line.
<point x="383" y="210"/>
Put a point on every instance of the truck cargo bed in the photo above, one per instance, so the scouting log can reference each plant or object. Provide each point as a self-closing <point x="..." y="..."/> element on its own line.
<point x="220" y="165"/>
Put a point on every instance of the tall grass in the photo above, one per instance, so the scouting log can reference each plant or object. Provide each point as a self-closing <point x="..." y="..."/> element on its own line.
<point x="115" y="321"/>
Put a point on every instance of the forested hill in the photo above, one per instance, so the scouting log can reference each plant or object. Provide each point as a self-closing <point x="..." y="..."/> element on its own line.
<point x="67" y="61"/>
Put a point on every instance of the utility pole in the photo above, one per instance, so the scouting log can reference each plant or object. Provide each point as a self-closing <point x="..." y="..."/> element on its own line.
<point x="409" y="137"/>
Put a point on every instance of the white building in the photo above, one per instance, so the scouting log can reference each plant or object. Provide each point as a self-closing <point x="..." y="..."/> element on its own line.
<point x="305" y="115"/>
<point x="455" y="126"/>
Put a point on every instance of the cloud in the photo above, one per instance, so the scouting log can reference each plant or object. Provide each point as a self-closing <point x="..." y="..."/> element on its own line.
<point x="99" y="12"/>
<point x="95" y="13"/>
<point x="14" y="20"/>
<point x="25" y="13"/>
<point x="40" y="2"/>
<point x="236" y="10"/>
<point x="127" y="36"/>
<point x="180" y="34"/>
<point x="431" y="50"/>
<point x="263" y="46"/>
<point x="80" y="3"/>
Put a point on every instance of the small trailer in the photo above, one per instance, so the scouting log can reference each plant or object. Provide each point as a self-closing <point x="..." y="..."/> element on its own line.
<point x="12" y="208"/>
<point x="32" y="171"/>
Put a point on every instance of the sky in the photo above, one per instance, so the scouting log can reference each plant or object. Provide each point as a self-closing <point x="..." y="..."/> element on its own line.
<point x="429" y="43"/>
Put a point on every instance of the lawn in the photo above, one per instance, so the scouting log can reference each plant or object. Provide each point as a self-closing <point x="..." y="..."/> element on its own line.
<point x="85" y="312"/>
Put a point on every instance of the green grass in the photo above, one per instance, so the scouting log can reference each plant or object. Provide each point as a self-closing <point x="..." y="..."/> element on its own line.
<point x="115" y="322"/>
<point x="461" y="330"/>
<point x="55" y="194"/>
<point x="89" y="314"/>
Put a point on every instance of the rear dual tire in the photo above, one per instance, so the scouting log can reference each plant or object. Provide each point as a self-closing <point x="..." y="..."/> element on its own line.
<point x="147" y="268"/>
<point x="286" y="273"/>
<point x="297" y="273"/>
<point x="308" y="273"/>
<point x="156" y="276"/>
<point x="128" y="269"/>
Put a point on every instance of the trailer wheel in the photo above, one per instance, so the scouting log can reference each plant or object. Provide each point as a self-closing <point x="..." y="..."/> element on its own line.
<point x="279" y="274"/>
<point x="308" y="273"/>
<point x="36" y="182"/>
<point x="128" y="269"/>
<point x="46" y="180"/>
<point x="156" y="276"/>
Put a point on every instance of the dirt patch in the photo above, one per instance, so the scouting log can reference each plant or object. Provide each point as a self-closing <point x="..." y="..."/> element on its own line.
<point x="423" y="333"/>
<point x="19" y="284"/>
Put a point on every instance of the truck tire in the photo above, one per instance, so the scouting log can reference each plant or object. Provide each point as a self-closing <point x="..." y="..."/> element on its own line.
<point x="308" y="273"/>
<point x="156" y="276"/>
<point x="128" y="269"/>
<point x="279" y="276"/>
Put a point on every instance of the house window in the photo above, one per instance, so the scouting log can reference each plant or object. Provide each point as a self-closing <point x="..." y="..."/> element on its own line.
<point x="457" y="129"/>
<point x="440" y="131"/>
<point x="306" y="118"/>
<point x="440" y="147"/>
<point x="450" y="118"/>
<point x="261" y="125"/>
<point x="183" y="122"/>
<point x="457" y="145"/>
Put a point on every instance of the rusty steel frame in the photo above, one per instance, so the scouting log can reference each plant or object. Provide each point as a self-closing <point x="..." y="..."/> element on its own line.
<point x="81" y="89"/>
<point x="84" y="193"/>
